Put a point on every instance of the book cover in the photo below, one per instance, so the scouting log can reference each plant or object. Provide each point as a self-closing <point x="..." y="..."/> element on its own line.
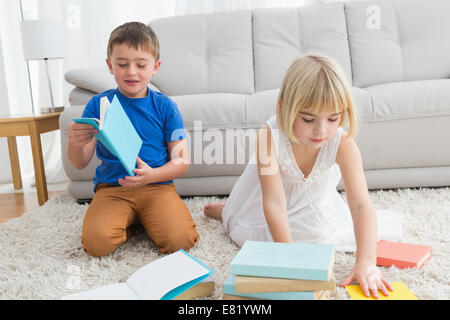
<point x="246" y="284"/>
<point x="284" y="260"/>
<point x="401" y="292"/>
<point x="162" y="279"/>
<point x="116" y="133"/>
<point x="402" y="255"/>
<point x="229" y="292"/>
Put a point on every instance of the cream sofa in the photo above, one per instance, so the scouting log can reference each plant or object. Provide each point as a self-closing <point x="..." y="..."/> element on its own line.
<point x="224" y="71"/>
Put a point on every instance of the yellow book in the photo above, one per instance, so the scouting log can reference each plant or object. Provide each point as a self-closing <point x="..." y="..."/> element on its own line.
<point x="401" y="292"/>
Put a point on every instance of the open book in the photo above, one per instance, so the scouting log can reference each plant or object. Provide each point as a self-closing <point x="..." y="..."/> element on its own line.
<point x="162" y="279"/>
<point x="116" y="132"/>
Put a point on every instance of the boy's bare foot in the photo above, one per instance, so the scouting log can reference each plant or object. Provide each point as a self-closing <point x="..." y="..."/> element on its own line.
<point x="214" y="210"/>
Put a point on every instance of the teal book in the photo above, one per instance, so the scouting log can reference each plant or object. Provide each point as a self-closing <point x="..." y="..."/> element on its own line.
<point x="162" y="279"/>
<point x="284" y="260"/>
<point x="229" y="289"/>
<point x="116" y="133"/>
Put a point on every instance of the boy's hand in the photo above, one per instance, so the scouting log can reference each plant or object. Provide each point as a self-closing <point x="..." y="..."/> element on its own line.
<point x="369" y="278"/>
<point x="80" y="134"/>
<point x="143" y="175"/>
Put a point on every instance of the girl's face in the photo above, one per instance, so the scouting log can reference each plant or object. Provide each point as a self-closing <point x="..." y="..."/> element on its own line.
<point x="313" y="130"/>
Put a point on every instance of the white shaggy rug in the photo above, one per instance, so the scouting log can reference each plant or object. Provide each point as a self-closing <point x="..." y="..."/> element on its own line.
<point x="41" y="255"/>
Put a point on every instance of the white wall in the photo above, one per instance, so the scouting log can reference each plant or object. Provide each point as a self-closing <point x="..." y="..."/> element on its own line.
<point x="5" y="169"/>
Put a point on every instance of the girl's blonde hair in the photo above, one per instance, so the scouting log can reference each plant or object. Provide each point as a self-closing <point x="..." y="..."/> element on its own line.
<point x="315" y="83"/>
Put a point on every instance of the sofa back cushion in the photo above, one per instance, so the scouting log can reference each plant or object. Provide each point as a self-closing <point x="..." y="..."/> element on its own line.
<point x="398" y="40"/>
<point x="205" y="53"/>
<point x="281" y="34"/>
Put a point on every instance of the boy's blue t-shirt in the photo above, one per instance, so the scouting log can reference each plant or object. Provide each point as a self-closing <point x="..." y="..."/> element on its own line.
<point x="156" y="119"/>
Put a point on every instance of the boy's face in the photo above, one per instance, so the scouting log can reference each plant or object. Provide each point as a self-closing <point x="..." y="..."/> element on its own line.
<point x="132" y="69"/>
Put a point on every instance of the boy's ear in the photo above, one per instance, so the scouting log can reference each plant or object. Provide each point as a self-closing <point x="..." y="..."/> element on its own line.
<point x="156" y="67"/>
<point x="108" y="62"/>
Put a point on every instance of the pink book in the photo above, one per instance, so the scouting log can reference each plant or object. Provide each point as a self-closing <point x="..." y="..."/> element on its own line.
<point x="402" y="255"/>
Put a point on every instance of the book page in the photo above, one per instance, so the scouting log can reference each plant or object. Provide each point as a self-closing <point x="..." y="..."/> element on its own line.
<point x="157" y="278"/>
<point x="104" y="105"/>
<point x="118" y="291"/>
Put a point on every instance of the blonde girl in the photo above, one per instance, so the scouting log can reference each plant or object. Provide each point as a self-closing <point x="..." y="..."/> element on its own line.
<point x="302" y="153"/>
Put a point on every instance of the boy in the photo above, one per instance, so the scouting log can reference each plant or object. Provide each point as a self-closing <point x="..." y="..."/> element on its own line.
<point x="150" y="196"/>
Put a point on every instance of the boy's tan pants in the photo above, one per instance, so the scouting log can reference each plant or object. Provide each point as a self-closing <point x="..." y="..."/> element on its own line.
<point x="158" y="207"/>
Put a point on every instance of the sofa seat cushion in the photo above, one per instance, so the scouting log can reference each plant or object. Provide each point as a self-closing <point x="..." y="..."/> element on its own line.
<point x="409" y="122"/>
<point x="211" y="110"/>
<point x="410" y="99"/>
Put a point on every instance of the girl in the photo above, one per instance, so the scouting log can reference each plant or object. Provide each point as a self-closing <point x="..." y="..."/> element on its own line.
<point x="301" y="154"/>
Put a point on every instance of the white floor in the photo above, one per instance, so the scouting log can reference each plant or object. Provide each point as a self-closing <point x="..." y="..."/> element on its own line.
<point x="27" y="187"/>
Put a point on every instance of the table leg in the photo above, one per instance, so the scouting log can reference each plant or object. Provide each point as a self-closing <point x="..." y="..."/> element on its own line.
<point x="39" y="170"/>
<point x="15" y="165"/>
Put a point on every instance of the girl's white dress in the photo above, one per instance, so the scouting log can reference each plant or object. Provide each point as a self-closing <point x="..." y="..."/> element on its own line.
<point x="316" y="212"/>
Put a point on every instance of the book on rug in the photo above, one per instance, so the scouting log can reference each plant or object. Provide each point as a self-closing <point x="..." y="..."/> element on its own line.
<point x="284" y="260"/>
<point x="116" y="132"/>
<point x="401" y="292"/>
<point x="163" y="279"/>
<point x="246" y="284"/>
<point x="402" y="255"/>
<point x="229" y="293"/>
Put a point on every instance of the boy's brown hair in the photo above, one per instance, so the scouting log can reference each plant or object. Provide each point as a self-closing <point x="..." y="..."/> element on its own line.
<point x="136" y="35"/>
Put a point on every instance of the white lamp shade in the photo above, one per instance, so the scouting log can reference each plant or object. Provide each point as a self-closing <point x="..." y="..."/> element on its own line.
<point x="43" y="39"/>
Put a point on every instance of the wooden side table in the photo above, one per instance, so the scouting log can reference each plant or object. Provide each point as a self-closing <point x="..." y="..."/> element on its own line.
<point x="12" y="126"/>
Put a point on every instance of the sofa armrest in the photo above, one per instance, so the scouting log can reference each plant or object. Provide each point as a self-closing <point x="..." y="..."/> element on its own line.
<point x="95" y="80"/>
<point x="65" y="119"/>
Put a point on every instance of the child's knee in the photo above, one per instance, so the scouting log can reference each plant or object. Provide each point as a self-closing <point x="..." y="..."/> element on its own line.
<point x="181" y="239"/>
<point x="101" y="242"/>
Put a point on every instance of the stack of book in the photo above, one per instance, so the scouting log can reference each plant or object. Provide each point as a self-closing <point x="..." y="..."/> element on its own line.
<point x="281" y="271"/>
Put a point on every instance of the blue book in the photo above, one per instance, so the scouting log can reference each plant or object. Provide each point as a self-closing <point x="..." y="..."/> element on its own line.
<point x="162" y="279"/>
<point x="116" y="133"/>
<point x="284" y="260"/>
<point x="229" y="291"/>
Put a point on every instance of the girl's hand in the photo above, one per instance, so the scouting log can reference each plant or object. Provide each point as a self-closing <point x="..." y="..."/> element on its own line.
<point x="143" y="175"/>
<point x="369" y="278"/>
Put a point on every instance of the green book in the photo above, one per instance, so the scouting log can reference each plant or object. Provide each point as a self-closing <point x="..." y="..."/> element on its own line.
<point x="284" y="260"/>
<point x="116" y="133"/>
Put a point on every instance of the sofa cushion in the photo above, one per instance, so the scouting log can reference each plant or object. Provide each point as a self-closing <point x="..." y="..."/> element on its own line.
<point x="411" y="120"/>
<point x="410" y="99"/>
<point x="398" y="40"/>
<point x="281" y="34"/>
<point x="212" y="110"/>
<point x="95" y="80"/>
<point x="424" y="28"/>
<point x="205" y="53"/>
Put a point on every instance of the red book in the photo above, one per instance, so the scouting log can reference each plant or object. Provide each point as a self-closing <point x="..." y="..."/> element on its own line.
<point x="402" y="255"/>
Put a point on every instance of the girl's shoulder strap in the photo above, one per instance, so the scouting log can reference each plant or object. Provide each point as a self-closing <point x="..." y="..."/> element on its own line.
<point x="275" y="132"/>
<point x="332" y="147"/>
<point x="272" y="122"/>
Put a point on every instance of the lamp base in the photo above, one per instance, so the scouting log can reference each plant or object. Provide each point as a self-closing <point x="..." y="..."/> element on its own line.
<point x="52" y="110"/>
